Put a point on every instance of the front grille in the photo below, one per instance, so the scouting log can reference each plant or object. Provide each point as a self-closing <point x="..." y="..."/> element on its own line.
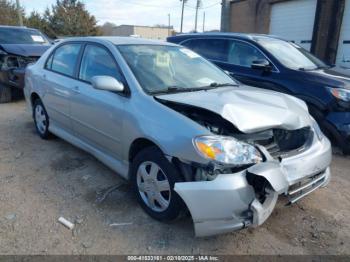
<point x="284" y="143"/>
<point x="305" y="187"/>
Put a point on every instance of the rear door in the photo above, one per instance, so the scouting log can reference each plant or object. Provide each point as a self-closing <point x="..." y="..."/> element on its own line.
<point x="58" y="81"/>
<point x="97" y="115"/>
<point x="236" y="57"/>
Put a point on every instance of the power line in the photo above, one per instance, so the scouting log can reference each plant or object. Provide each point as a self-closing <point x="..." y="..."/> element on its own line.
<point x="208" y="6"/>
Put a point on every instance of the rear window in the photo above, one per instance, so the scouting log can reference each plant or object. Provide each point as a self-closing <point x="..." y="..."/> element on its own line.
<point x="21" y="36"/>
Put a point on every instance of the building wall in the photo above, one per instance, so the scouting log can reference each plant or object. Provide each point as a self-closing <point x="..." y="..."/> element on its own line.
<point x="253" y="16"/>
<point x="123" y="30"/>
<point x="148" y="32"/>
<point x="159" y="33"/>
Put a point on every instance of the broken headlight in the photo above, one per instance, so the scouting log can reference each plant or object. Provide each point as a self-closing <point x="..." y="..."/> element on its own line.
<point x="317" y="129"/>
<point x="227" y="150"/>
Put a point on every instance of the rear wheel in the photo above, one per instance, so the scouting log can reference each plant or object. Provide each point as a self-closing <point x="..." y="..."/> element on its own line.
<point x="153" y="179"/>
<point x="41" y="119"/>
<point x="5" y="94"/>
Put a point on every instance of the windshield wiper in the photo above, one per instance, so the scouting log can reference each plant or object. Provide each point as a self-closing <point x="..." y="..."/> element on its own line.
<point x="179" y="89"/>
<point x="215" y="84"/>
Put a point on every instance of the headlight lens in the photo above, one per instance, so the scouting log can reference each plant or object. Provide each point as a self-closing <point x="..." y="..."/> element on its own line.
<point x="340" y="93"/>
<point x="317" y="129"/>
<point x="227" y="150"/>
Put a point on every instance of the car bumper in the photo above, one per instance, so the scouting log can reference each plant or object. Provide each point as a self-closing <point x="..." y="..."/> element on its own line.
<point x="13" y="78"/>
<point x="229" y="202"/>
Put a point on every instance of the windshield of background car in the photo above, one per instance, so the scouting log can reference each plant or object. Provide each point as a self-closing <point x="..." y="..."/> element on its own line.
<point x="158" y="68"/>
<point x="291" y="55"/>
<point x="21" y="36"/>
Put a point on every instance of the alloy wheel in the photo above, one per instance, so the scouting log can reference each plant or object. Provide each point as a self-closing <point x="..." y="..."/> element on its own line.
<point x="153" y="186"/>
<point x="40" y="119"/>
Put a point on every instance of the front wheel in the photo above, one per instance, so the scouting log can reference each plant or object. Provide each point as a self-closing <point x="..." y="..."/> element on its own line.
<point x="5" y="94"/>
<point x="153" y="179"/>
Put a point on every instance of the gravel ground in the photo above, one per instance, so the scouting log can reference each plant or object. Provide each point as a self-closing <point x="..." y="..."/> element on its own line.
<point x="43" y="180"/>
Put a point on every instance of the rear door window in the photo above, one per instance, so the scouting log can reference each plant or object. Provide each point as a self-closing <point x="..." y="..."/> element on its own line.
<point x="213" y="49"/>
<point x="65" y="59"/>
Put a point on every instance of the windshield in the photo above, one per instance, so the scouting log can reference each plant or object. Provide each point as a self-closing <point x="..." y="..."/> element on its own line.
<point x="21" y="36"/>
<point x="291" y="55"/>
<point x="170" y="68"/>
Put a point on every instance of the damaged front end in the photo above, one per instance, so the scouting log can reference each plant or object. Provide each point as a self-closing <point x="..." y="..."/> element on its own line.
<point x="226" y="196"/>
<point x="12" y="68"/>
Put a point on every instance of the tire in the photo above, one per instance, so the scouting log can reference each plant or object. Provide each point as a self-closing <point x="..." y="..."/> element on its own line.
<point x="5" y="94"/>
<point x="346" y="149"/>
<point x="159" y="200"/>
<point x="17" y="94"/>
<point x="41" y="119"/>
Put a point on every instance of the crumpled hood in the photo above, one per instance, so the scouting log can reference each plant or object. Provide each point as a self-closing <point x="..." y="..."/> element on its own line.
<point x="25" y="50"/>
<point x="249" y="109"/>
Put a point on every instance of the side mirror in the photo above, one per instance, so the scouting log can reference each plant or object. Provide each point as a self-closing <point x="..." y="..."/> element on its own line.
<point x="107" y="83"/>
<point x="261" y="64"/>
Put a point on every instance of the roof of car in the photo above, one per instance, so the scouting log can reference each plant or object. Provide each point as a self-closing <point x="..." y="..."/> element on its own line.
<point x="16" y="27"/>
<point x="218" y="34"/>
<point x="120" y="40"/>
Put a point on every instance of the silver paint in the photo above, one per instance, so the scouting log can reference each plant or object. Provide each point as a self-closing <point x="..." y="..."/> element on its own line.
<point x="106" y="124"/>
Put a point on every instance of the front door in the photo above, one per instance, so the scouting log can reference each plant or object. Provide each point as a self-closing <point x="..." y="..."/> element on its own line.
<point x="97" y="115"/>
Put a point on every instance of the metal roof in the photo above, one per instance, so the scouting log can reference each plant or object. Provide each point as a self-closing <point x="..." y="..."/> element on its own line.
<point x="119" y="40"/>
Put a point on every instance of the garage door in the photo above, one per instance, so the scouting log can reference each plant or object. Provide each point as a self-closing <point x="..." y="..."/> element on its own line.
<point x="294" y="21"/>
<point x="343" y="55"/>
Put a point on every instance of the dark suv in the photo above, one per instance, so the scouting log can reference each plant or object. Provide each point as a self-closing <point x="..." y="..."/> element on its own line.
<point x="273" y="63"/>
<point x="19" y="46"/>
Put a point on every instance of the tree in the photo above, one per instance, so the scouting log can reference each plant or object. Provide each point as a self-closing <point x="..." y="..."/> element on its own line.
<point x="70" y="18"/>
<point x="35" y="20"/>
<point x="8" y="13"/>
<point x="107" y="28"/>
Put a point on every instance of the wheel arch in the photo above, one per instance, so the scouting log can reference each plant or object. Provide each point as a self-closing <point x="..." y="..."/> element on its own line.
<point x="34" y="96"/>
<point x="139" y="144"/>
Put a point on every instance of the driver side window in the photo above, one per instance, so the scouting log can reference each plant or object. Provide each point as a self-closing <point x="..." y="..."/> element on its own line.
<point x="243" y="54"/>
<point x="98" y="62"/>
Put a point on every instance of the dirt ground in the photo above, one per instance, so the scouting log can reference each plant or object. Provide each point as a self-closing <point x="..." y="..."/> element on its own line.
<point x="43" y="180"/>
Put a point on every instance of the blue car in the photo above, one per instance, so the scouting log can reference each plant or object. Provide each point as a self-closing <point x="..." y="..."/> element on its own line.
<point x="273" y="63"/>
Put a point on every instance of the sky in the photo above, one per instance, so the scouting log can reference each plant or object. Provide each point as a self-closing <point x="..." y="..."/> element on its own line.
<point x="144" y="12"/>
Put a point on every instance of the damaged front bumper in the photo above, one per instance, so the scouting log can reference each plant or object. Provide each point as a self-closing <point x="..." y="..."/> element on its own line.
<point x="230" y="201"/>
<point x="12" y="70"/>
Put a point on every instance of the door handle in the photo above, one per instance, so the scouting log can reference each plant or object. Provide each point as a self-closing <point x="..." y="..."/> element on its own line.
<point x="76" y="90"/>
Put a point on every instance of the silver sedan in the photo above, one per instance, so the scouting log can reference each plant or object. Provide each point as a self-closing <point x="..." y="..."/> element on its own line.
<point x="186" y="135"/>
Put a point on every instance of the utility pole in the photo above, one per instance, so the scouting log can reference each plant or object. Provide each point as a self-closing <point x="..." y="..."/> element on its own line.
<point x="197" y="7"/>
<point x="20" y="19"/>
<point x="168" y="24"/>
<point x="182" y="13"/>
<point x="225" y="16"/>
<point x="203" y="22"/>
